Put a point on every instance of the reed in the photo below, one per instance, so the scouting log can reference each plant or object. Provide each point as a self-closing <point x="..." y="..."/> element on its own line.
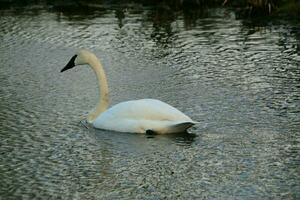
<point x="266" y="7"/>
<point x="249" y="7"/>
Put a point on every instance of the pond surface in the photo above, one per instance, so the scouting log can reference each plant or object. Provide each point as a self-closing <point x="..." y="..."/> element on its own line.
<point x="239" y="78"/>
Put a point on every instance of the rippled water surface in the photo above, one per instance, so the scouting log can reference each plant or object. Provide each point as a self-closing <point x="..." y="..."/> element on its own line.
<point x="239" y="78"/>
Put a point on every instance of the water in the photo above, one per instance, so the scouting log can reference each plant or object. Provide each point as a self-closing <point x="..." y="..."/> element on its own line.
<point x="238" y="78"/>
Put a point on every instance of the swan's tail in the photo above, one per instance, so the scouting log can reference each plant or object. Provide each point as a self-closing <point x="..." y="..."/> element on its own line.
<point x="176" y="127"/>
<point x="181" y="127"/>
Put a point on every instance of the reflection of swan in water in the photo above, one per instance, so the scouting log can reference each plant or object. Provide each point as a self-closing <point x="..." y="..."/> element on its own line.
<point x="137" y="116"/>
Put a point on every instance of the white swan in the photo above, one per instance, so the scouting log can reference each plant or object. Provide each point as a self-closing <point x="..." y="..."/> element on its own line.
<point x="137" y="116"/>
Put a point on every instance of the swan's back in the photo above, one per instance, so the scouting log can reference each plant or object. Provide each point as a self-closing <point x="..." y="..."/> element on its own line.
<point x="142" y="115"/>
<point x="150" y="109"/>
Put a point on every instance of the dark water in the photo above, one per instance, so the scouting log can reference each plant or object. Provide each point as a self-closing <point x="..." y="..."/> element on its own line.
<point x="239" y="78"/>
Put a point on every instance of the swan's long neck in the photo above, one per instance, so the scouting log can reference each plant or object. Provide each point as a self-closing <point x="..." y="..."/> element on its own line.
<point x="103" y="87"/>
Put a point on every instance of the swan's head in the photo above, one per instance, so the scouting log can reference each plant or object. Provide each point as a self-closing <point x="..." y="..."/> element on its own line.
<point x="81" y="58"/>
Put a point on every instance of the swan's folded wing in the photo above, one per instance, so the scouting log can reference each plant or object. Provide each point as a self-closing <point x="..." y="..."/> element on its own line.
<point x="147" y="109"/>
<point x="140" y="116"/>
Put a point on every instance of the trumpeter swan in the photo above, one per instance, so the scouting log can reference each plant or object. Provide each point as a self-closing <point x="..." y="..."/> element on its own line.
<point x="137" y="116"/>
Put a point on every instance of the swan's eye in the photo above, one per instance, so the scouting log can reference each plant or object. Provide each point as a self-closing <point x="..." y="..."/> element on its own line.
<point x="70" y="64"/>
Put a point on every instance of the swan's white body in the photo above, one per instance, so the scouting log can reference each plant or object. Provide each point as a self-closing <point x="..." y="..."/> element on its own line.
<point x="140" y="116"/>
<point x="137" y="116"/>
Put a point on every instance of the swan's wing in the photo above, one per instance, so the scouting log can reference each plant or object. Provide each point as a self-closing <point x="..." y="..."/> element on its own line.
<point x="141" y="115"/>
<point x="146" y="109"/>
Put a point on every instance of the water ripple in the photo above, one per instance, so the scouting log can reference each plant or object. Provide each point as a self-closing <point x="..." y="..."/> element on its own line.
<point x="240" y="81"/>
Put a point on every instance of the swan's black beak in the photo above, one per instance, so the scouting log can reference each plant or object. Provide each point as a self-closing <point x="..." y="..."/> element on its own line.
<point x="70" y="64"/>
